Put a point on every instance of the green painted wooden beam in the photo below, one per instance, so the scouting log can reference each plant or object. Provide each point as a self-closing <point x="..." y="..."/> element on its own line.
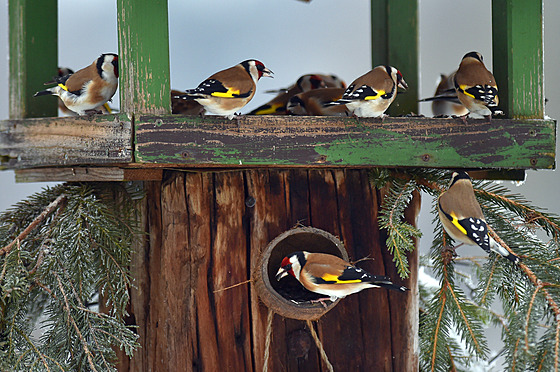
<point x="153" y="141"/>
<point x="33" y="56"/>
<point x="144" y="56"/>
<point x="517" y="48"/>
<point x="320" y="141"/>
<point x="394" y="39"/>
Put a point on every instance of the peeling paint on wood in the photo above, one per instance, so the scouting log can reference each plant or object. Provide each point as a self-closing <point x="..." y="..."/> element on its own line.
<point x="144" y="56"/>
<point x="394" y="41"/>
<point x="517" y="55"/>
<point x="33" y="56"/>
<point x="409" y="142"/>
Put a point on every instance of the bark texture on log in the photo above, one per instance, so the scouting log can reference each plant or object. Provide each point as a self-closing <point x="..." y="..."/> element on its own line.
<point x="206" y="231"/>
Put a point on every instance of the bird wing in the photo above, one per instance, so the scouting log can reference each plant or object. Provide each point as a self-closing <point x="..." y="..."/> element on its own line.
<point x="474" y="80"/>
<point x="75" y="82"/>
<point x="476" y="229"/>
<point x="215" y="88"/>
<point x="350" y="274"/>
<point x="484" y="93"/>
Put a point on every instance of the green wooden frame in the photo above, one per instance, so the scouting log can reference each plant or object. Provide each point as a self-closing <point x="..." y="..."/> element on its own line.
<point x="144" y="136"/>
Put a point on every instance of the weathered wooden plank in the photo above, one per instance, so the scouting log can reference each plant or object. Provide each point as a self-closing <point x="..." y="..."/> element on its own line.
<point x="144" y="56"/>
<point x="65" y="141"/>
<point x="398" y="142"/>
<point x="360" y="233"/>
<point x="153" y="296"/>
<point x="394" y="41"/>
<point x="517" y="55"/>
<point x="87" y="174"/>
<point x="267" y="219"/>
<point x="229" y="267"/>
<point x="173" y="328"/>
<point x="339" y="338"/>
<point x="33" y="56"/>
<point x="205" y="231"/>
<point x="199" y="190"/>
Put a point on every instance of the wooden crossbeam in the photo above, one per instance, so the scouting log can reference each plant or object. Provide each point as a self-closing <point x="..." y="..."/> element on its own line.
<point x="190" y="141"/>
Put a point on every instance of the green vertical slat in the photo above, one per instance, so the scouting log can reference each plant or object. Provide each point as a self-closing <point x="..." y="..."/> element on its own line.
<point x="144" y="56"/>
<point x="379" y="49"/>
<point x="33" y="56"/>
<point x="395" y="42"/>
<point x="517" y="47"/>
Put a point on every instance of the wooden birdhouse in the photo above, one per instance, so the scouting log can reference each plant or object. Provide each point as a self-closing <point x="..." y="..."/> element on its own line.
<point x="222" y="197"/>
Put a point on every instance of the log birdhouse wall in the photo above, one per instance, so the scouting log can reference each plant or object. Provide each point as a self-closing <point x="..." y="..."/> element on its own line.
<point x="206" y="232"/>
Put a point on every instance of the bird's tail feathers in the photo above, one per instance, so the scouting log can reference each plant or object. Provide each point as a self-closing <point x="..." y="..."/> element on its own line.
<point x="385" y="282"/>
<point x="188" y="96"/>
<point x="449" y="95"/>
<point x="494" y="246"/>
<point x="336" y="103"/>
<point x="44" y="93"/>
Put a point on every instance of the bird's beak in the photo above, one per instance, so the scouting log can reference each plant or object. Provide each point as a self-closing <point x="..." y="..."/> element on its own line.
<point x="266" y="72"/>
<point x="281" y="273"/>
<point x="402" y="84"/>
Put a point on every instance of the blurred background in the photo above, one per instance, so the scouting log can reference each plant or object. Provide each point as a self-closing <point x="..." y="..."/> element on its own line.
<point x="294" y="38"/>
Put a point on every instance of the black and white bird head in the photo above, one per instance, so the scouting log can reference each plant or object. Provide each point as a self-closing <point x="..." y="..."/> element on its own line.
<point x="256" y="69"/>
<point x="459" y="175"/>
<point x="397" y="77"/>
<point x="291" y="265"/>
<point x="108" y="66"/>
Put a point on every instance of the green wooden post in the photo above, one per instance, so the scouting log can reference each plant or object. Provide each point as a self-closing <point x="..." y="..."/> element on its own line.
<point x="33" y="56"/>
<point x="144" y="56"/>
<point x="517" y="47"/>
<point x="395" y="42"/>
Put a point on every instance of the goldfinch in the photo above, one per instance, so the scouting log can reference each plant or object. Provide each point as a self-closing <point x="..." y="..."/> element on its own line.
<point x="227" y="91"/>
<point x="475" y="86"/>
<point x="330" y="275"/>
<point x="445" y="101"/>
<point x="314" y="103"/>
<point x="87" y="89"/>
<point x="371" y="94"/>
<point x="277" y="106"/>
<point x="183" y="106"/>
<point x="462" y="218"/>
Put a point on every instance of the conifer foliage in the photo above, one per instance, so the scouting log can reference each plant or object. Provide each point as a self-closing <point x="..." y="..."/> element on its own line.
<point x="455" y="312"/>
<point x="60" y="250"/>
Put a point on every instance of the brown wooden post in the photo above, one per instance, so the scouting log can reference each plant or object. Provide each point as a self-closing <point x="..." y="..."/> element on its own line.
<point x="205" y="233"/>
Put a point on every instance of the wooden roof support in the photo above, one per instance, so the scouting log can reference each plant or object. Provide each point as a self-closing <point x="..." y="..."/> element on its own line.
<point x="144" y="56"/>
<point x="394" y="41"/>
<point x="517" y="48"/>
<point x="33" y="56"/>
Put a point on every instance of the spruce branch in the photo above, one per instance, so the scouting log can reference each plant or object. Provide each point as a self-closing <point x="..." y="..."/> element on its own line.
<point x="49" y="209"/>
<point x="61" y="248"/>
<point x="401" y="234"/>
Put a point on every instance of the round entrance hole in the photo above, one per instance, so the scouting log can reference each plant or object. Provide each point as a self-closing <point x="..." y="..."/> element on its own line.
<point x="287" y="297"/>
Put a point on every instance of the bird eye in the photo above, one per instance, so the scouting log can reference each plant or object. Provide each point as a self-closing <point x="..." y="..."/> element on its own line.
<point x="288" y="267"/>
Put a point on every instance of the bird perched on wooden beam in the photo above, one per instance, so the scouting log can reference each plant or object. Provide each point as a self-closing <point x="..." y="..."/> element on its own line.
<point x="474" y="86"/>
<point x="227" y="91"/>
<point x="371" y="94"/>
<point x="183" y="106"/>
<point x="314" y="102"/>
<point x="87" y="89"/>
<point x="445" y="101"/>
<point x="462" y="218"/>
<point x="330" y="275"/>
<point x="305" y="83"/>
